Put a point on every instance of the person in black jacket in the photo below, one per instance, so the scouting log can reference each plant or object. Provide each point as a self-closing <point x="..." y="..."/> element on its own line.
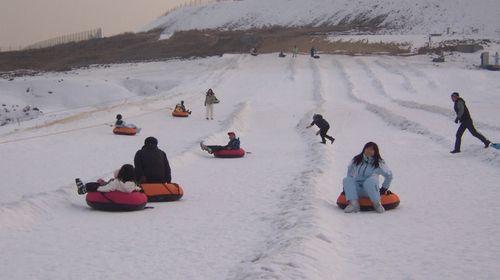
<point x="324" y="126"/>
<point x="151" y="163"/>
<point x="463" y="116"/>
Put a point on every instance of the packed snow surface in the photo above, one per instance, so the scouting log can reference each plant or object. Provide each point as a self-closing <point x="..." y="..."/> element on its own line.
<point x="399" y="17"/>
<point x="273" y="213"/>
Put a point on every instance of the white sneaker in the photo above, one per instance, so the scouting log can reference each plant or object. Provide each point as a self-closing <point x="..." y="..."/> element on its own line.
<point x="353" y="207"/>
<point x="378" y="207"/>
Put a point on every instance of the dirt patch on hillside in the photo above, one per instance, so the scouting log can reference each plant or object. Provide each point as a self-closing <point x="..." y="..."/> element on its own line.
<point x="131" y="47"/>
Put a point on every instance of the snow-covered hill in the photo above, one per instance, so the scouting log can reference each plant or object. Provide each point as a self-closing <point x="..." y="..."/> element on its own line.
<point x="272" y="214"/>
<point x="401" y="17"/>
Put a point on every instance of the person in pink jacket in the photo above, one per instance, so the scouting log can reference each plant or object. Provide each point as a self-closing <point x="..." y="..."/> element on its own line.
<point x="124" y="181"/>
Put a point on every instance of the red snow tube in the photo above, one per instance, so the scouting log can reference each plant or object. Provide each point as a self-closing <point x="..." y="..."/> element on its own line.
<point x="230" y="153"/>
<point x="116" y="201"/>
<point x="180" y="114"/>
<point x="162" y="192"/>
<point x="125" y="131"/>
<point x="389" y="200"/>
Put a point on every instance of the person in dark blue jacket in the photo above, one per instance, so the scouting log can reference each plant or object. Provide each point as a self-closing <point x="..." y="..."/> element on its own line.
<point x="324" y="126"/>
<point x="234" y="144"/>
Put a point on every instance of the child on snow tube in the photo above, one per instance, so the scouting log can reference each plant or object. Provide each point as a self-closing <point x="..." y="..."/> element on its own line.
<point x="362" y="179"/>
<point x="181" y="108"/>
<point x="234" y="144"/>
<point x="124" y="181"/>
<point x="120" y="123"/>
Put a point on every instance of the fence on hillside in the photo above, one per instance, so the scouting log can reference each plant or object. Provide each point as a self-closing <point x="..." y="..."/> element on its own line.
<point x="195" y="3"/>
<point x="70" y="38"/>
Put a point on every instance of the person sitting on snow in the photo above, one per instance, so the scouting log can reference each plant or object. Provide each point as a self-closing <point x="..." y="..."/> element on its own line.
<point x="362" y="179"/>
<point x="181" y="108"/>
<point x="324" y="126"/>
<point x="234" y="144"/>
<point x="121" y="123"/>
<point x="124" y="181"/>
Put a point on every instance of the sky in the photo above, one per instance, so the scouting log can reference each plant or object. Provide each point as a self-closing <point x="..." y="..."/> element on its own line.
<point x="23" y="22"/>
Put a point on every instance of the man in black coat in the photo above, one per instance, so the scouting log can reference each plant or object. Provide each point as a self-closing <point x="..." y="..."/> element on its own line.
<point x="151" y="163"/>
<point x="463" y="116"/>
<point x="324" y="126"/>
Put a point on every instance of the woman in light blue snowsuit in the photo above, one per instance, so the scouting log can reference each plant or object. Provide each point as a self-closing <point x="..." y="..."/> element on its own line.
<point x="363" y="178"/>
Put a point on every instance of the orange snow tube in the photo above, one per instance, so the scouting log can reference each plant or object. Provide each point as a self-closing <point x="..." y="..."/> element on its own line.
<point x="159" y="192"/>
<point x="389" y="200"/>
<point x="125" y="131"/>
<point x="180" y="114"/>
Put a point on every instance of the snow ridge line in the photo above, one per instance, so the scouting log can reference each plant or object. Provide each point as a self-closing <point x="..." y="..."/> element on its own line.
<point x="419" y="106"/>
<point x="404" y="124"/>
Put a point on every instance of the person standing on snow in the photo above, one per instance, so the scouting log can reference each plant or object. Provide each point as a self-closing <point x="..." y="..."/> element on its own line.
<point x="363" y="179"/>
<point x="210" y="100"/>
<point x="313" y="52"/>
<point x="323" y="125"/>
<point x="151" y="163"/>
<point x="234" y="144"/>
<point x="497" y="59"/>
<point x="463" y="116"/>
<point x="295" y="51"/>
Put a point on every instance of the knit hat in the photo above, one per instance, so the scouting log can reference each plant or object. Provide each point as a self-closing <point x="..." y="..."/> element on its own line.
<point x="231" y="133"/>
<point x="118" y="117"/>
<point x="455" y="94"/>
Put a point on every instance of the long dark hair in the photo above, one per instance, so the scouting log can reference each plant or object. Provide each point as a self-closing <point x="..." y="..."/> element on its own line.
<point x="376" y="158"/>
<point x="126" y="173"/>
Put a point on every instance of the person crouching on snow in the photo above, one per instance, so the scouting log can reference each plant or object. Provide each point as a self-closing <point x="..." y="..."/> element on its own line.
<point x="234" y="144"/>
<point x="324" y="126"/>
<point x="121" y="123"/>
<point x="362" y="179"/>
<point x="124" y="181"/>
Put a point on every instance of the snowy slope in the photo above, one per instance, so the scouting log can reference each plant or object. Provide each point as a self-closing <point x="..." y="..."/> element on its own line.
<point x="272" y="214"/>
<point x="400" y="17"/>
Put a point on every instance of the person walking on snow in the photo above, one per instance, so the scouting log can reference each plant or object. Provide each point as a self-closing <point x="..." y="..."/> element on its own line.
<point x="324" y="126"/>
<point x="124" y="181"/>
<point x="234" y="144"/>
<point x="210" y="100"/>
<point x="363" y="179"/>
<point x="463" y="116"/>
<point x="497" y="59"/>
<point x="151" y="164"/>
<point x="313" y="52"/>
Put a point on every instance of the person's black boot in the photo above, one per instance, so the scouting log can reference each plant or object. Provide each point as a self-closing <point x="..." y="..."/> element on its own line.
<point x="332" y="139"/>
<point x="487" y="144"/>
<point x="455" y="152"/>
<point x="80" y="186"/>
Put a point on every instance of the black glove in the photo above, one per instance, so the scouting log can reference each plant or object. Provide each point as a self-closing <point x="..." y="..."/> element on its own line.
<point x="383" y="190"/>
<point x="456" y="120"/>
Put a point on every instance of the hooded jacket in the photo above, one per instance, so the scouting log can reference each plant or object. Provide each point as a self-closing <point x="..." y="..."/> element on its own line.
<point x="366" y="170"/>
<point x="320" y="122"/>
<point x="151" y="165"/>
<point x="233" y="144"/>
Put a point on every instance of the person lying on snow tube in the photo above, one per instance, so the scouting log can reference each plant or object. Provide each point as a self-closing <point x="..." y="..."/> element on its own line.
<point x="120" y="123"/>
<point x="124" y="181"/>
<point x="180" y="108"/>
<point x="234" y="144"/>
<point x="362" y="178"/>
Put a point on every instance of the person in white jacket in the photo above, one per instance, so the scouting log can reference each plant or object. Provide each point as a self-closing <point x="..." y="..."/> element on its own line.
<point x="123" y="182"/>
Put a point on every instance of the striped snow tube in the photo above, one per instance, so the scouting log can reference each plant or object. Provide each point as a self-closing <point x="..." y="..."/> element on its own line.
<point x="125" y="131"/>
<point x="116" y="201"/>
<point x="180" y="114"/>
<point x="389" y="200"/>
<point x="162" y="192"/>
<point x="230" y="153"/>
